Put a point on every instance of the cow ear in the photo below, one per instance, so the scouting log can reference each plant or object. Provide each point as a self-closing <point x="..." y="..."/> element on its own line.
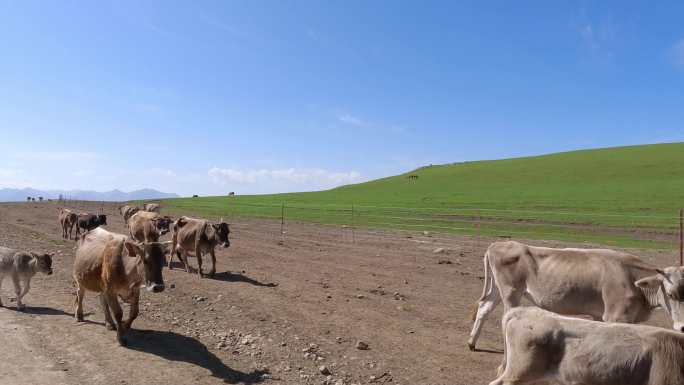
<point x="649" y="282"/>
<point x="133" y="248"/>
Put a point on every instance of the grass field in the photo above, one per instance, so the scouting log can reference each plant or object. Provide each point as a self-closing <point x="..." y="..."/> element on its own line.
<point x="626" y="196"/>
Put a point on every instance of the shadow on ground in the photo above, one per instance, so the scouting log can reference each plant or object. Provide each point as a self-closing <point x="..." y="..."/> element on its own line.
<point x="177" y="347"/>
<point x="227" y="276"/>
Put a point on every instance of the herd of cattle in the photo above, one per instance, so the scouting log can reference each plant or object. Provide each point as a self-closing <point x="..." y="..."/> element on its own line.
<point x="581" y="330"/>
<point x="118" y="265"/>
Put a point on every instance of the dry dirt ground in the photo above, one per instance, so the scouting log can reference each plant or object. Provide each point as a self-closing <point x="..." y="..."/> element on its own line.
<point x="278" y="310"/>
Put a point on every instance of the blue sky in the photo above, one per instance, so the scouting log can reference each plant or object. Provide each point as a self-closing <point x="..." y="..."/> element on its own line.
<point x="266" y="96"/>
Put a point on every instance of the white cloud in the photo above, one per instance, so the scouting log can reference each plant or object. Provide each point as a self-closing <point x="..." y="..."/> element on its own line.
<point x="354" y="121"/>
<point x="677" y="53"/>
<point x="291" y="178"/>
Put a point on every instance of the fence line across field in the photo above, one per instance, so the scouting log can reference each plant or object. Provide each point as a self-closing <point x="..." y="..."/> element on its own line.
<point x="475" y="222"/>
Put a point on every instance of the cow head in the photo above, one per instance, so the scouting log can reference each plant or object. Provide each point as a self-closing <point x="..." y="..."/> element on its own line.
<point x="163" y="224"/>
<point x="43" y="262"/>
<point x="102" y="219"/>
<point x="668" y="292"/>
<point x="152" y="258"/>
<point x="222" y="232"/>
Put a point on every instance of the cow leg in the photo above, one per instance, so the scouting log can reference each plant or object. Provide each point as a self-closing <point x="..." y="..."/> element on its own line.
<point x="17" y="291"/>
<point x="133" y="314"/>
<point x="2" y="278"/>
<point x="485" y="306"/>
<point x="114" y="306"/>
<point x="24" y="291"/>
<point x="78" y="303"/>
<point x="511" y="298"/>
<point x="183" y="256"/>
<point x="213" y="262"/>
<point x="109" y="322"/>
<point x="198" y="254"/>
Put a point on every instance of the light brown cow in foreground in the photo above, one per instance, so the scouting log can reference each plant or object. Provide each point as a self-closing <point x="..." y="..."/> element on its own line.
<point x="67" y="219"/>
<point x="198" y="236"/>
<point x="153" y="207"/>
<point x="115" y="265"/>
<point x="128" y="211"/>
<point x="147" y="226"/>
<point x="604" y="284"/>
<point x="544" y="346"/>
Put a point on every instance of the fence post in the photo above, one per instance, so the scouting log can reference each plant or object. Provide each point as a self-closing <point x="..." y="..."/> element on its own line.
<point x="352" y="224"/>
<point x="681" y="237"/>
<point x="282" y="221"/>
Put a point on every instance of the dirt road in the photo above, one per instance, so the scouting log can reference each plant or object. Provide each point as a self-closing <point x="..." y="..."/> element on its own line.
<point x="277" y="311"/>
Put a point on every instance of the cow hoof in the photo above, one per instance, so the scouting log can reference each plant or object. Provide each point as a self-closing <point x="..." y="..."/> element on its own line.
<point x="211" y="273"/>
<point x="122" y="342"/>
<point x="471" y="346"/>
<point x="21" y="307"/>
<point x="110" y="327"/>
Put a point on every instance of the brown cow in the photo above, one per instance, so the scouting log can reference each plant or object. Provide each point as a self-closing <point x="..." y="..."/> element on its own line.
<point x="198" y="236"/>
<point x="115" y="265"/>
<point x="154" y="207"/>
<point x="67" y="219"/>
<point x="128" y="211"/>
<point x="147" y="226"/>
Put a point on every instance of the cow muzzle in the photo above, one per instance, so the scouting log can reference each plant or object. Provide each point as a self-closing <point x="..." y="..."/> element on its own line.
<point x="678" y="326"/>
<point x="155" y="288"/>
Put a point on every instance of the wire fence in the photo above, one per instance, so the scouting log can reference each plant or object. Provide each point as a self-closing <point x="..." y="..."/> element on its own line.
<point x="635" y="230"/>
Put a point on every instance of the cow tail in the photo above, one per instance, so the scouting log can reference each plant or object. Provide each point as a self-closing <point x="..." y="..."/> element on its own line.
<point x="488" y="285"/>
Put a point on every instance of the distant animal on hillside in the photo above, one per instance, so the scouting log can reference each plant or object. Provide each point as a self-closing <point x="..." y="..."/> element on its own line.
<point x="152" y="207"/>
<point x="87" y="222"/>
<point x="22" y="266"/>
<point x="232" y="193"/>
<point x="198" y="236"/>
<point x="67" y="219"/>
<point x="412" y="177"/>
<point x="195" y="196"/>
<point x="117" y="267"/>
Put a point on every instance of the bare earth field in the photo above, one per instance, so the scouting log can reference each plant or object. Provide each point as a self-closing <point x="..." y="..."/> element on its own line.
<point x="277" y="310"/>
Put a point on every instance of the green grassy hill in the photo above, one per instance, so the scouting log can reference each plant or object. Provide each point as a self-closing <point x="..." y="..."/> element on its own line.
<point x="555" y="196"/>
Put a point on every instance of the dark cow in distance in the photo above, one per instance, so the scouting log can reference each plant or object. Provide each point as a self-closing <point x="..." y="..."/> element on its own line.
<point x="117" y="267"/>
<point x="198" y="236"/>
<point x="88" y="222"/>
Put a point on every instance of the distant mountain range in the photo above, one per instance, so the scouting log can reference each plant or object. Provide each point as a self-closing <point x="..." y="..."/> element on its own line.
<point x="18" y="195"/>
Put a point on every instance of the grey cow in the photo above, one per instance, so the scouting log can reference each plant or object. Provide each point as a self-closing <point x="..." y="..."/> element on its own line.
<point x="22" y="266"/>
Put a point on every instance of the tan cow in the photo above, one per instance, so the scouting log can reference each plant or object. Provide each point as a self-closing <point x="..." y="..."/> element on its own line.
<point x="154" y="207"/>
<point x="544" y="346"/>
<point x="198" y="236"/>
<point x="147" y="226"/>
<point x="67" y="219"/>
<point x="116" y="266"/>
<point x="128" y="211"/>
<point x="604" y="284"/>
